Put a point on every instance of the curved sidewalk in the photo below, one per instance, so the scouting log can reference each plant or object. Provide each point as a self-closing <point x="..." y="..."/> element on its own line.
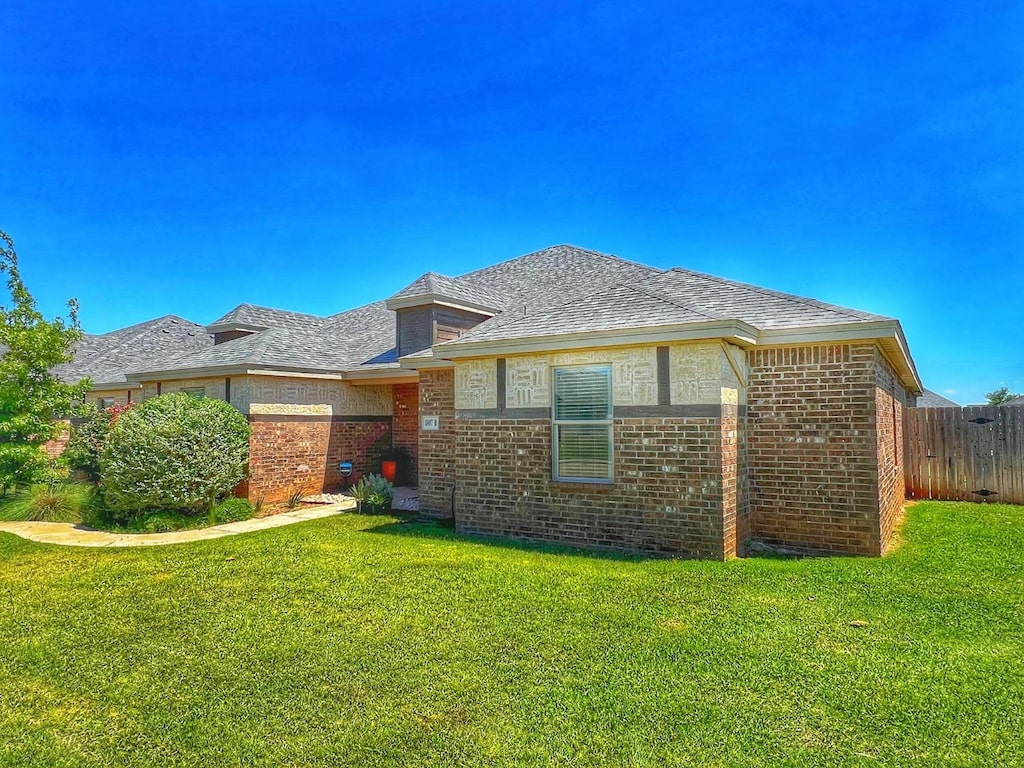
<point x="73" y="535"/>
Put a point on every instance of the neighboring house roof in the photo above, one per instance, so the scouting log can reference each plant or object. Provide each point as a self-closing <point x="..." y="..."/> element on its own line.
<point x="1015" y="401"/>
<point x="929" y="399"/>
<point x="298" y="343"/>
<point x="105" y="358"/>
<point x="558" y="292"/>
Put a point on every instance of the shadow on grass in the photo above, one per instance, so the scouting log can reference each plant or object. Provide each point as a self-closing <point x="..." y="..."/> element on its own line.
<point x="444" y="530"/>
<point x="413" y="526"/>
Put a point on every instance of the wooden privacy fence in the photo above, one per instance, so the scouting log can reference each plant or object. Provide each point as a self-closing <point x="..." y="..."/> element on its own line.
<point x="967" y="454"/>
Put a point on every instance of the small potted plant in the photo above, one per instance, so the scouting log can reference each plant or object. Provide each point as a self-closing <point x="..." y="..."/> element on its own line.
<point x="373" y="494"/>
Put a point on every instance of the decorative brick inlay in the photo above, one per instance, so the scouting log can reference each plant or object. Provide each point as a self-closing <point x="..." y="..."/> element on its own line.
<point x="437" y="448"/>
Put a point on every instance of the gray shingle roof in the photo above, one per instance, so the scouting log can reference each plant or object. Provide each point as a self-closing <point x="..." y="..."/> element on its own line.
<point x="105" y="358"/>
<point x="558" y="290"/>
<point x="433" y="284"/>
<point x="553" y="276"/>
<point x="253" y="316"/>
<point x="929" y="399"/>
<point x="614" y="308"/>
<point x="760" y="307"/>
<point x="641" y="297"/>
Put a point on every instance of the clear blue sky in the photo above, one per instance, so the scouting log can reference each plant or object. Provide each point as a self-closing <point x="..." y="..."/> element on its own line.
<point x="174" y="158"/>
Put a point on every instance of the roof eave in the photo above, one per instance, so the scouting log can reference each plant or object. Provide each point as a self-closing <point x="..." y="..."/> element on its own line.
<point x="887" y="333"/>
<point x="734" y="331"/>
<point x="420" y="361"/>
<point x="226" y="327"/>
<point x="404" y="302"/>
<point x="395" y="375"/>
<point x="235" y="370"/>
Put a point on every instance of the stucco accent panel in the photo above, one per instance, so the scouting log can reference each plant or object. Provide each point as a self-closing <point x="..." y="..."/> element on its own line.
<point x="634" y="376"/>
<point x="286" y="396"/>
<point x="702" y="374"/>
<point x="214" y="387"/>
<point x="476" y="384"/>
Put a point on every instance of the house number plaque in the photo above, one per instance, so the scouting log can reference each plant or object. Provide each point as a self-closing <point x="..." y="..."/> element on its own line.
<point x="430" y="423"/>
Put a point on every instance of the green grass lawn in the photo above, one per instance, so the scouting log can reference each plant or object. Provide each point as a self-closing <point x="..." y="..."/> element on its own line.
<point x="359" y="641"/>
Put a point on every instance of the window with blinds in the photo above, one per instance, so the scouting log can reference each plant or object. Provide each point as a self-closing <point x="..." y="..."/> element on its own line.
<point x="582" y="423"/>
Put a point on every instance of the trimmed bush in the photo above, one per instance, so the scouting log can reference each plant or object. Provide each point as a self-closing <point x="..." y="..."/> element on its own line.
<point x="231" y="510"/>
<point x="173" y="452"/>
<point x="82" y="453"/>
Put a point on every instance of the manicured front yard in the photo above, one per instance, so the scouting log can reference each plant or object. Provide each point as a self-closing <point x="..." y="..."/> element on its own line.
<point x="349" y="641"/>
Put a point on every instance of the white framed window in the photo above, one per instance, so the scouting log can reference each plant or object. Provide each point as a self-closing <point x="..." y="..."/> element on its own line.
<point x="581" y="427"/>
<point x="194" y="391"/>
<point x="104" y="402"/>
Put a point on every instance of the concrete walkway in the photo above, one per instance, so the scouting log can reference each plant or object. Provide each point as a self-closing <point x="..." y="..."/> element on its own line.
<point x="77" y="536"/>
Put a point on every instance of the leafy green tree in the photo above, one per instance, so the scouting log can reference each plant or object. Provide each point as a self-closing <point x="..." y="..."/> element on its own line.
<point x="1000" y="396"/>
<point x="32" y="398"/>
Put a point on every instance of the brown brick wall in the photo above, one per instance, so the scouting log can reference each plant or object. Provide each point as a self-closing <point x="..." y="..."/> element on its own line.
<point x="406" y="421"/>
<point x="55" y="447"/>
<point x="295" y="454"/>
<point x="890" y="399"/>
<point x="667" y="497"/>
<point x="812" y="447"/>
<point x="436" y="449"/>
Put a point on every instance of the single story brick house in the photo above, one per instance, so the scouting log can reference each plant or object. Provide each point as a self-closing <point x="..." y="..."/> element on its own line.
<point x="568" y="395"/>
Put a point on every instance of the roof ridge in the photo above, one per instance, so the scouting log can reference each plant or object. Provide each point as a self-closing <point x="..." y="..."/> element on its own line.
<point x="673" y="302"/>
<point x="581" y="249"/>
<point x="250" y="305"/>
<point x="779" y="294"/>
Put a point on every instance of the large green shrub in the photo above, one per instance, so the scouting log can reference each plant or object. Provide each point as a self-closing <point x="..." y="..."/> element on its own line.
<point x="82" y="453"/>
<point x="174" y="452"/>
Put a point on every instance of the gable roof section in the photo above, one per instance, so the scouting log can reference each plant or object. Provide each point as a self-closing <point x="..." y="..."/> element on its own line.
<point x="433" y="287"/>
<point x="555" y="276"/>
<point x="654" y="298"/>
<point x="105" y="358"/>
<point x="253" y="317"/>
